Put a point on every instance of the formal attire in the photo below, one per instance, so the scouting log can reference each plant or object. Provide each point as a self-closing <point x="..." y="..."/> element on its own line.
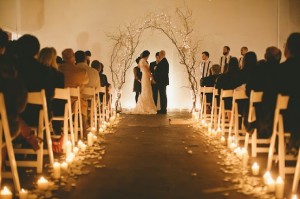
<point x="205" y="68"/>
<point x="137" y="87"/>
<point x="145" y="103"/>
<point x="162" y="80"/>
<point x="153" y="66"/>
<point x="224" y="61"/>
<point x="241" y="62"/>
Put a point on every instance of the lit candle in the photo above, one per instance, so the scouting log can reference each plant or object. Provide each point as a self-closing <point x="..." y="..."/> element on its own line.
<point x="223" y="140"/>
<point x="229" y="140"/>
<point x="23" y="194"/>
<point x="70" y="158"/>
<point x="104" y="127"/>
<point x="6" y="193"/>
<point x="42" y="183"/>
<point x="118" y="114"/>
<point x="101" y="130"/>
<point x="270" y="184"/>
<point x="64" y="166"/>
<point x="69" y="147"/>
<point x="266" y="176"/>
<point x="245" y="157"/>
<point x="75" y="150"/>
<point x="279" y="188"/>
<point x="114" y="113"/>
<point x="255" y="169"/>
<point x="83" y="147"/>
<point x="90" y="139"/>
<point x="79" y="143"/>
<point x="95" y="138"/>
<point x="93" y="129"/>
<point x="112" y="119"/>
<point x="56" y="170"/>
<point x="294" y="196"/>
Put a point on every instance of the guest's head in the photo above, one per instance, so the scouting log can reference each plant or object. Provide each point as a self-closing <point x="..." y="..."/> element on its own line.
<point x="68" y="56"/>
<point x="11" y="49"/>
<point x="157" y="56"/>
<point x="249" y="61"/>
<point x="233" y="65"/>
<point x="226" y="50"/>
<point x="28" y="46"/>
<point x="205" y="55"/>
<point x="145" y="54"/>
<point x="80" y="56"/>
<point x="137" y="60"/>
<point x="88" y="55"/>
<point x="273" y="55"/>
<point x="59" y="60"/>
<point x="292" y="48"/>
<point x="3" y="41"/>
<point x="162" y="54"/>
<point x="47" y="56"/>
<point x="244" y="50"/>
<point x="215" y="69"/>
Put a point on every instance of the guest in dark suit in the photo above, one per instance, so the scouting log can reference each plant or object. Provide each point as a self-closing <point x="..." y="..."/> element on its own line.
<point x="153" y="66"/>
<point x="161" y="78"/>
<point x="137" y="87"/>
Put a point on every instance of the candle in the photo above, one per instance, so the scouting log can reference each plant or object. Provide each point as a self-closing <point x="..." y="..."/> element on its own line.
<point x="69" y="147"/>
<point x="95" y="138"/>
<point x="255" y="169"/>
<point x="79" y="143"/>
<point x="245" y="157"/>
<point x="266" y="176"/>
<point x="42" y="183"/>
<point x="104" y="127"/>
<point x="70" y="158"/>
<point x="223" y="140"/>
<point x="101" y="130"/>
<point x="294" y="196"/>
<point x="229" y="140"/>
<point x="112" y="119"/>
<point x="23" y="194"/>
<point x="90" y="139"/>
<point x="75" y="150"/>
<point x="270" y="184"/>
<point x="118" y="114"/>
<point x="6" y="193"/>
<point x="83" y="147"/>
<point x="279" y="188"/>
<point x="56" y="170"/>
<point x="64" y="166"/>
<point x="93" y="129"/>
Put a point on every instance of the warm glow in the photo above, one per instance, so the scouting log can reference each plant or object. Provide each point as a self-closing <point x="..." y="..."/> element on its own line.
<point x="294" y="196"/>
<point x="5" y="191"/>
<point x="255" y="169"/>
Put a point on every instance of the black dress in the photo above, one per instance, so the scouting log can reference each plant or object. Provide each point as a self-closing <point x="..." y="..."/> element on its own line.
<point x="138" y="76"/>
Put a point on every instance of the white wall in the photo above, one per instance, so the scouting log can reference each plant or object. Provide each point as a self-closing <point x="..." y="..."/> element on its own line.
<point x="83" y="24"/>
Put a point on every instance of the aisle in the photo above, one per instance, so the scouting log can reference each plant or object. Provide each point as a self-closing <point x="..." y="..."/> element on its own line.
<point x="156" y="157"/>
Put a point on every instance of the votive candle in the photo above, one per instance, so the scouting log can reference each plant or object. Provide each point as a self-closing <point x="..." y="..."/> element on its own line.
<point x="23" y="194"/>
<point x="42" y="183"/>
<point x="56" y="170"/>
<point x="255" y="169"/>
<point x="6" y="193"/>
<point x="279" y="188"/>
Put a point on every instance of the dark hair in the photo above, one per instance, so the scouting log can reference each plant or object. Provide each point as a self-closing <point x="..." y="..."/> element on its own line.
<point x="273" y="54"/>
<point x="28" y="46"/>
<point x="145" y="53"/>
<point x="215" y="69"/>
<point x="244" y="48"/>
<point x="206" y="53"/>
<point x="3" y="38"/>
<point x="293" y="43"/>
<point x="80" y="56"/>
<point x="227" y="47"/>
<point x="233" y="64"/>
<point x="88" y="53"/>
<point x="137" y="60"/>
<point x="250" y="60"/>
<point x="59" y="60"/>
<point x="156" y="54"/>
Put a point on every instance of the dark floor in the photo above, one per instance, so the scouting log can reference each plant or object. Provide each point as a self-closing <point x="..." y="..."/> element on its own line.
<point x="157" y="157"/>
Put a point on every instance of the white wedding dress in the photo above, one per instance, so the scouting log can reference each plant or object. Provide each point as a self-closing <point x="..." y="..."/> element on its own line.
<point x="145" y="104"/>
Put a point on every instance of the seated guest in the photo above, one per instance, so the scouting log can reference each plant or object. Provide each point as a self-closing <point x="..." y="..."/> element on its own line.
<point x="210" y="80"/>
<point x="283" y="80"/>
<point x="103" y="79"/>
<point x="48" y="56"/>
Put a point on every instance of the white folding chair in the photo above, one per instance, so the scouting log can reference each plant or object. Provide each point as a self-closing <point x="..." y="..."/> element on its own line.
<point x="38" y="98"/>
<point x="278" y="132"/>
<point x="214" y="110"/>
<point x="76" y="101"/>
<point x="4" y="127"/>
<point x="234" y="117"/>
<point x="89" y="94"/>
<point x="223" y="122"/>
<point x="102" y="106"/>
<point x="204" y="116"/>
<point x="64" y="94"/>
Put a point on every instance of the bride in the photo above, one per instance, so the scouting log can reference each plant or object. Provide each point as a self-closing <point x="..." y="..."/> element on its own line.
<point x="145" y="103"/>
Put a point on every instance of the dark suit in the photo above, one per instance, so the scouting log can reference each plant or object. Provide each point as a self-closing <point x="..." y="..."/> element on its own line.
<point x="154" y="86"/>
<point x="161" y="77"/>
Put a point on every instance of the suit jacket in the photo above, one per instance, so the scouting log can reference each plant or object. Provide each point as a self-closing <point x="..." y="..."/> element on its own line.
<point x="152" y="65"/>
<point x="161" y="75"/>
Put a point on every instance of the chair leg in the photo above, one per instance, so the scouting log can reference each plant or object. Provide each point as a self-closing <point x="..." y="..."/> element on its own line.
<point x="254" y="144"/>
<point x="296" y="175"/>
<point x="271" y="151"/>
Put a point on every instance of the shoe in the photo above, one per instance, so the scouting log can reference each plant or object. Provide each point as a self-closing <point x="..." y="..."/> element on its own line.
<point x="162" y="112"/>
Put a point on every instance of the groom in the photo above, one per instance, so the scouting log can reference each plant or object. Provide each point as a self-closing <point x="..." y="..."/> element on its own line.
<point x="161" y="78"/>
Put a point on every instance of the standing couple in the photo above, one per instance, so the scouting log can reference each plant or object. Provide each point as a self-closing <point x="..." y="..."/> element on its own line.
<point x="158" y="76"/>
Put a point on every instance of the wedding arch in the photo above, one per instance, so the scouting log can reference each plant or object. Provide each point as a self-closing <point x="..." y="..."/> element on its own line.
<point x="179" y="31"/>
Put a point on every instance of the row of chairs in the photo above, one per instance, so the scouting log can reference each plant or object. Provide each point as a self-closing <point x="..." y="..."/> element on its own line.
<point x="72" y="126"/>
<point x="234" y="126"/>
